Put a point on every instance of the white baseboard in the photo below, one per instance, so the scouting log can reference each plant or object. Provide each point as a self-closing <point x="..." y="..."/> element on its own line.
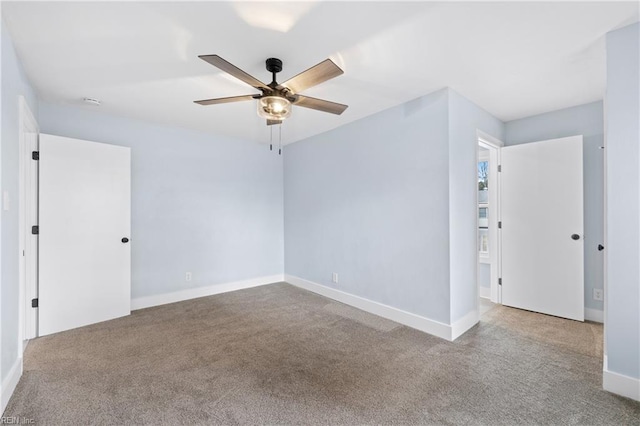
<point x="193" y="293"/>
<point x="461" y="326"/>
<point x="418" y="322"/>
<point x="9" y="383"/>
<point x="594" y="315"/>
<point x="619" y="383"/>
<point x="485" y="292"/>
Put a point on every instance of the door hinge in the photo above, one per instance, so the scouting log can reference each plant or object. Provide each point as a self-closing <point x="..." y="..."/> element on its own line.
<point x="34" y="303"/>
<point x="499" y="281"/>
<point x="35" y="155"/>
<point x="35" y="229"/>
<point x="499" y="167"/>
<point x="500" y="225"/>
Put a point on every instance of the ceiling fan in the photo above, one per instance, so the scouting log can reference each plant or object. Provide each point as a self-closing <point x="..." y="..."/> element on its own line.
<point x="276" y="99"/>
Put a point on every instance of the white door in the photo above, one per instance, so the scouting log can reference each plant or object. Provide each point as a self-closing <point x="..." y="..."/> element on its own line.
<point x="85" y="257"/>
<point x="542" y="227"/>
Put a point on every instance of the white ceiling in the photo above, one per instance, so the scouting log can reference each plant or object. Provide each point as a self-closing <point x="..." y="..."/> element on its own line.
<point x="140" y="58"/>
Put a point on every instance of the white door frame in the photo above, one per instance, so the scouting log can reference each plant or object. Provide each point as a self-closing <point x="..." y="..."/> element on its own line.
<point x="605" y="240"/>
<point x="28" y="208"/>
<point x="493" y="145"/>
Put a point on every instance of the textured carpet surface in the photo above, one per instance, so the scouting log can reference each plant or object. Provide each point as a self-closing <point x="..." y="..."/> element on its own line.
<point x="281" y="355"/>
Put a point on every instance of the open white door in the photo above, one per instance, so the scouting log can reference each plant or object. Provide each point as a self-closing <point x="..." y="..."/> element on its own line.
<point x="85" y="258"/>
<point x="542" y="227"/>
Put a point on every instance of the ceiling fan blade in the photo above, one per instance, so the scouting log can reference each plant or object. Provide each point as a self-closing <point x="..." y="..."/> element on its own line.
<point x="229" y="68"/>
<point x="272" y="122"/>
<point x="320" y="105"/>
<point x="225" y="100"/>
<point x="325" y="70"/>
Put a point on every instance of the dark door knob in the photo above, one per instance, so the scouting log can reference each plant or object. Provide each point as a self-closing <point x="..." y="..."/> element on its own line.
<point x="575" y="237"/>
<point x="600" y="247"/>
<point x="125" y="240"/>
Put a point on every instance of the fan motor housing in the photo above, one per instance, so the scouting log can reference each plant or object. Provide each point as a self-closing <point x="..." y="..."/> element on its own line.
<point x="274" y="65"/>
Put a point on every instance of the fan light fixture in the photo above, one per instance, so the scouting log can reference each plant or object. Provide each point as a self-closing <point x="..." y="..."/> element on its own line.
<point x="274" y="107"/>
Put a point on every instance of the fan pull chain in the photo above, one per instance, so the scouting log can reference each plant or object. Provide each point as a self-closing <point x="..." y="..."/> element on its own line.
<point x="280" y="139"/>
<point x="271" y="138"/>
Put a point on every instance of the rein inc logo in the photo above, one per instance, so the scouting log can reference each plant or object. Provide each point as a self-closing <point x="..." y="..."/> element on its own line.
<point x="15" y="420"/>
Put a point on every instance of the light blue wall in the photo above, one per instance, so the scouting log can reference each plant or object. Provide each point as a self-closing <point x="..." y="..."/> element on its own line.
<point x="465" y="119"/>
<point x="484" y="275"/>
<point x="622" y="320"/>
<point x="388" y="202"/>
<point x="586" y="120"/>
<point x="14" y="84"/>
<point x="369" y="200"/>
<point x="201" y="203"/>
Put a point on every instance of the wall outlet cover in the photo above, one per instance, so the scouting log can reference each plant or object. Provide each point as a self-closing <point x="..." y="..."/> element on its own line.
<point x="598" y="294"/>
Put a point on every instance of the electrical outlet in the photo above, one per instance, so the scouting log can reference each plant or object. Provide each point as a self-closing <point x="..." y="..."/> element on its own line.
<point x="598" y="294"/>
<point x="334" y="277"/>
<point x="187" y="276"/>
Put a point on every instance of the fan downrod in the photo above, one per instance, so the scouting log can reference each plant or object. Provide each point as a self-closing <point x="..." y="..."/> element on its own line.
<point x="274" y="66"/>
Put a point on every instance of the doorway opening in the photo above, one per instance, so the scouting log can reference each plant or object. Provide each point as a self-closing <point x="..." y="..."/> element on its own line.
<point x="488" y="221"/>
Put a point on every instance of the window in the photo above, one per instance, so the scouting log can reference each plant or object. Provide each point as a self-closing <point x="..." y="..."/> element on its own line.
<point x="483" y="210"/>
<point x="483" y="176"/>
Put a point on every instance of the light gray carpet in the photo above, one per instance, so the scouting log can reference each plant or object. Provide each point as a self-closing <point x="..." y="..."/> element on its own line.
<point x="281" y="355"/>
